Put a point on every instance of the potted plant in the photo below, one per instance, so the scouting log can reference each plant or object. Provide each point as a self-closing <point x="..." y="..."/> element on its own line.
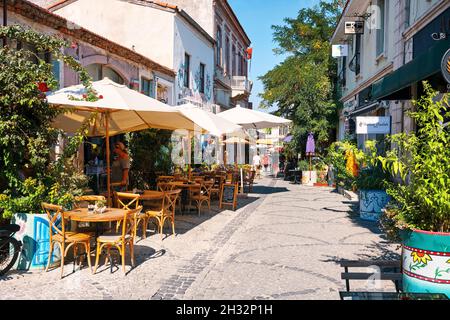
<point x="29" y="173"/>
<point x="420" y="206"/>
<point x="308" y="177"/>
<point x="371" y="184"/>
<point x="337" y="157"/>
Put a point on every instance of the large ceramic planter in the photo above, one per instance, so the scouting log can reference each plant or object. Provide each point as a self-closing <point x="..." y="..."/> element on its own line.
<point x="309" y="177"/>
<point x="34" y="234"/>
<point x="372" y="203"/>
<point x="426" y="262"/>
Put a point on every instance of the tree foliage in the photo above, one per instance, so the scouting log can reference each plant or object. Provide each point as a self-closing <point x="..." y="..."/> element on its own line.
<point x="301" y="87"/>
<point x="27" y="175"/>
<point x="150" y="151"/>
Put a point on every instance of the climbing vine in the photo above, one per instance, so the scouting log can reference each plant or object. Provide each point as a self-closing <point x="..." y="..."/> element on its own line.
<point x="27" y="139"/>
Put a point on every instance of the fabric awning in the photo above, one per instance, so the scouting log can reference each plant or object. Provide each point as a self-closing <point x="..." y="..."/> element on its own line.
<point x="394" y="86"/>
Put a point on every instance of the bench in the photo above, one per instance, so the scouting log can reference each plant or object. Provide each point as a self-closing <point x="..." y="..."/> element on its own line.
<point x="393" y="272"/>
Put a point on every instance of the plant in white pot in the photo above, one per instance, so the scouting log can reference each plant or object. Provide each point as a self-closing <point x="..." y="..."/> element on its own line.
<point x="371" y="184"/>
<point x="420" y="207"/>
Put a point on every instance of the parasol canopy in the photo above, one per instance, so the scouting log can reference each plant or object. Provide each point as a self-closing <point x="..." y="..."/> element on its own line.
<point x="128" y="110"/>
<point x="212" y="123"/>
<point x="252" y="119"/>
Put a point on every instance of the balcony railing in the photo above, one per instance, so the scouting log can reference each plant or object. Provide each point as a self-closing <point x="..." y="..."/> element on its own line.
<point x="222" y="97"/>
<point x="241" y="83"/>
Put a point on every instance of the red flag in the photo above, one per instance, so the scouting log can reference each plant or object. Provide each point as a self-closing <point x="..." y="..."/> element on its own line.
<point x="249" y="53"/>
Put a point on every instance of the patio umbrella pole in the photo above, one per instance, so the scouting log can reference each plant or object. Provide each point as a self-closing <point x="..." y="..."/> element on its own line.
<point x="108" y="159"/>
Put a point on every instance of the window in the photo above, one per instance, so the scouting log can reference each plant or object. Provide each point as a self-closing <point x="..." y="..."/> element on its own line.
<point x="381" y="28"/>
<point x="219" y="47"/>
<point x="407" y="12"/>
<point x="227" y="55"/>
<point x="147" y="87"/>
<point x="202" y="78"/>
<point x="99" y="71"/>
<point x="187" y="71"/>
<point x="233" y="65"/>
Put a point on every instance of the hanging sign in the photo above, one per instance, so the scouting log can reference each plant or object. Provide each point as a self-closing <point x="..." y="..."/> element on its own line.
<point x="373" y="125"/>
<point x="446" y="66"/>
<point x="339" y="50"/>
<point x="354" y="27"/>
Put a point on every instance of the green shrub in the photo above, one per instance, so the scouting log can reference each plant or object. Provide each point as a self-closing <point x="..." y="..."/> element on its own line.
<point x="420" y="166"/>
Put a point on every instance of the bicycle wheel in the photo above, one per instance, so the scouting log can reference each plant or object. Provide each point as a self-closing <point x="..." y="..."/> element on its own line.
<point x="9" y="251"/>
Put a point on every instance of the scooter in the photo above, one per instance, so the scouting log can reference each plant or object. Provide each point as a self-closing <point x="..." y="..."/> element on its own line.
<point x="9" y="247"/>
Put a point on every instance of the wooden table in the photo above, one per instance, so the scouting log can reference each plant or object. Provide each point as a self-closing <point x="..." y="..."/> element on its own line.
<point x="83" y="215"/>
<point x="149" y="195"/>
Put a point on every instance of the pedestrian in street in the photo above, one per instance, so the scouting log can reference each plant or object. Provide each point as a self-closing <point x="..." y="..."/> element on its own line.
<point x="330" y="175"/>
<point x="257" y="164"/>
<point x="265" y="163"/>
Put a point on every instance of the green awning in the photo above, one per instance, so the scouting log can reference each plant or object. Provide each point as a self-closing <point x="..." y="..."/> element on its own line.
<point x="417" y="70"/>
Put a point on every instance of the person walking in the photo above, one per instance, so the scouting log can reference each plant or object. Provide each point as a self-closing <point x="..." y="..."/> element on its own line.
<point x="257" y="164"/>
<point x="265" y="162"/>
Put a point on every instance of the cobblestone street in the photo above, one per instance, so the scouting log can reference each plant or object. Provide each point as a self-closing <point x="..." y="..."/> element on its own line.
<point x="284" y="242"/>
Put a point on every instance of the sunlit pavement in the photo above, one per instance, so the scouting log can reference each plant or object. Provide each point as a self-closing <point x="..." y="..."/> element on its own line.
<point x="284" y="242"/>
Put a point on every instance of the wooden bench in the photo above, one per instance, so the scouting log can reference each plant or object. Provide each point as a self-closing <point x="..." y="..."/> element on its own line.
<point x="394" y="275"/>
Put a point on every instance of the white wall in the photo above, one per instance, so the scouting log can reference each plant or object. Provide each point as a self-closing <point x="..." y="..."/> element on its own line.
<point x="149" y="30"/>
<point x="371" y="64"/>
<point x="188" y="40"/>
<point x="419" y="8"/>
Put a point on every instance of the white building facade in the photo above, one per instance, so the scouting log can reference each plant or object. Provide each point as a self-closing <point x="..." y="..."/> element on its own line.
<point x="161" y="32"/>
<point x="385" y="65"/>
<point x="231" y="59"/>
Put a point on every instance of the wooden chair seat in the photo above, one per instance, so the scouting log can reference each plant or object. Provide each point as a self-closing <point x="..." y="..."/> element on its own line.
<point x="113" y="237"/>
<point x="153" y="213"/>
<point x="200" y="197"/>
<point x="72" y="237"/>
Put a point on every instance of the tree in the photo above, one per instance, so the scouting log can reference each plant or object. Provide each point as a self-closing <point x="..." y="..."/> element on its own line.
<point x="27" y="175"/>
<point x="301" y="87"/>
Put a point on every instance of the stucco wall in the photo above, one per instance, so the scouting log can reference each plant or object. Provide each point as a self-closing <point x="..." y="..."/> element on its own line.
<point x="371" y="64"/>
<point x="85" y="53"/>
<point x="187" y="40"/>
<point x="146" y="30"/>
<point x="201" y="11"/>
<point x="419" y="8"/>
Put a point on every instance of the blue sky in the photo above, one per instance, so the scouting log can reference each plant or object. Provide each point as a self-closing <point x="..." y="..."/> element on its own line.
<point x="257" y="17"/>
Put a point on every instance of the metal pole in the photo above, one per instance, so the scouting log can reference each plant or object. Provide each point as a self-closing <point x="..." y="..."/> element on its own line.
<point x="5" y="19"/>
<point x="108" y="159"/>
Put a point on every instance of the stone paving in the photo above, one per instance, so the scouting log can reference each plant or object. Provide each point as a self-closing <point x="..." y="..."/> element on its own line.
<point x="284" y="242"/>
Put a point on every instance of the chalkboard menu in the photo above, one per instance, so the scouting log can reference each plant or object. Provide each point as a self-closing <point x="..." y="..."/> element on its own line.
<point x="229" y="195"/>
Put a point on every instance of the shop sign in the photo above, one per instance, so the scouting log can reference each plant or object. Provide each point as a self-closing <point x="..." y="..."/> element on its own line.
<point x="354" y="27"/>
<point x="446" y="66"/>
<point x="373" y="125"/>
<point x="340" y="50"/>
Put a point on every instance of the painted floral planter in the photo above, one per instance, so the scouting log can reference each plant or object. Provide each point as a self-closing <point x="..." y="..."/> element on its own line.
<point x="372" y="203"/>
<point x="309" y="177"/>
<point x="426" y="262"/>
<point x="34" y="234"/>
